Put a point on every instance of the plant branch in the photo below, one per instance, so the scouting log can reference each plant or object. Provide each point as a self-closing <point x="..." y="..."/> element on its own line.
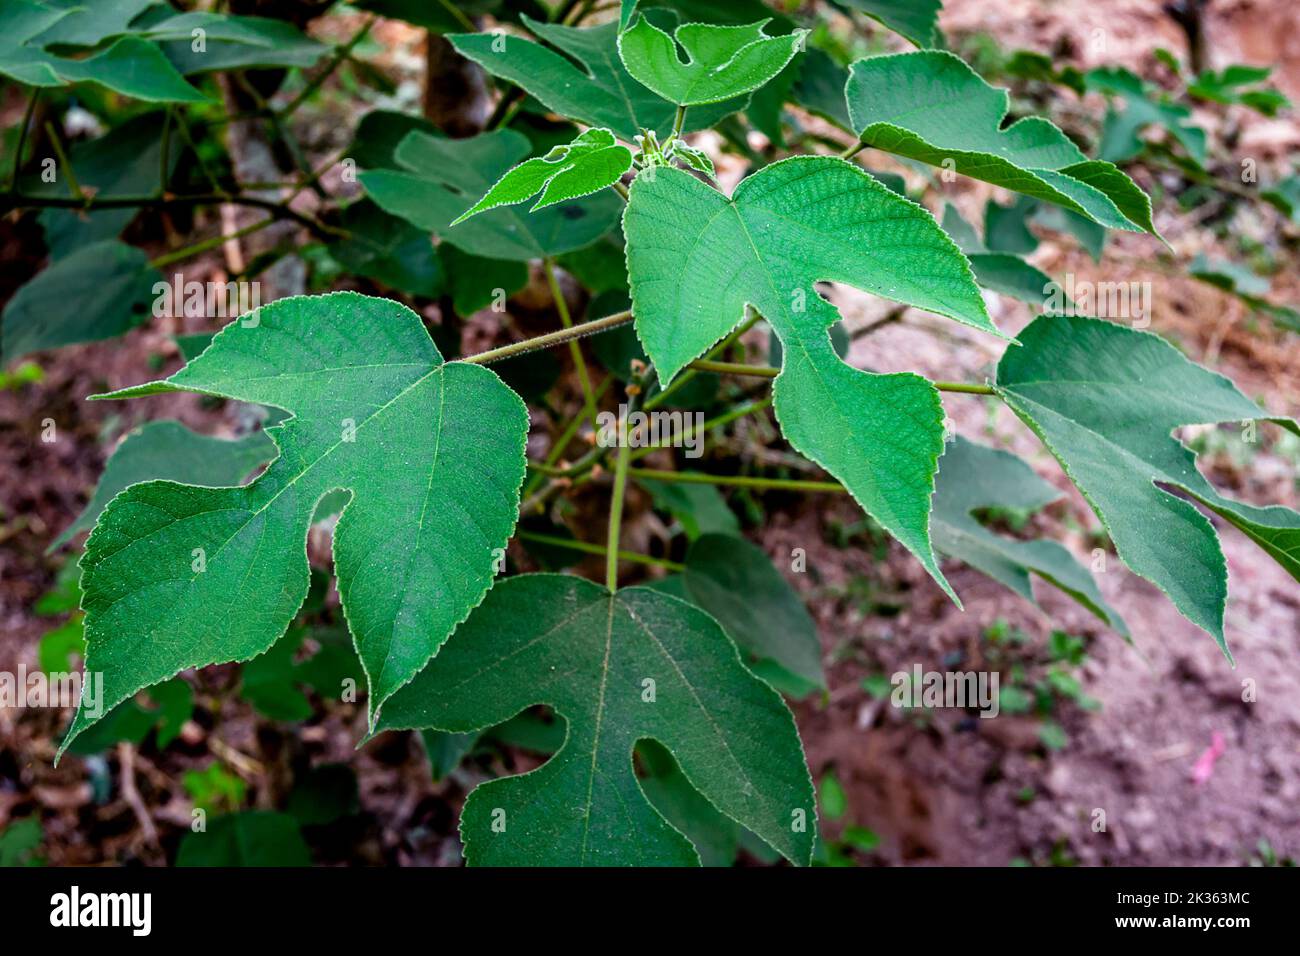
<point x="588" y="548"/>
<point x="848" y="152"/>
<point x="689" y="373"/>
<point x="88" y="203"/>
<point x="737" y="481"/>
<point x="616" y="513"/>
<point x="734" y="368"/>
<point x="57" y="145"/>
<point x="22" y="138"/>
<point x="763" y="371"/>
<point x="726" y="418"/>
<point x="575" y="350"/>
<point x="340" y="54"/>
<point x="551" y="338"/>
<point x="966" y="388"/>
<point x="212" y="242"/>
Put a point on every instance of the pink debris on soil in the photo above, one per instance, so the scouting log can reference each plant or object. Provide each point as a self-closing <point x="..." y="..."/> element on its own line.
<point x="1203" y="769"/>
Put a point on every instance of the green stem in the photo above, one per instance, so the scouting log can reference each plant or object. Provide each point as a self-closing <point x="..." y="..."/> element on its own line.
<point x="852" y="150"/>
<point x="183" y="128"/>
<point x="340" y="54"/>
<point x="966" y="388"/>
<point x="575" y="350"/>
<point x="211" y="242"/>
<point x="689" y="373"/>
<point x="588" y="548"/>
<point x="734" y="368"/>
<point x="549" y="339"/>
<point x="737" y="481"/>
<point x="582" y="12"/>
<point x="726" y="418"/>
<point x="22" y="138"/>
<point x="763" y="371"/>
<point x="616" y="514"/>
<point x="57" y="144"/>
<point x="164" y="154"/>
<point x="679" y="121"/>
<point x="562" y="442"/>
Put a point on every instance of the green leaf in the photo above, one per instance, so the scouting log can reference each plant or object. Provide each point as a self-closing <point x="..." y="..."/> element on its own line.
<point x="324" y="794"/>
<point x="98" y="292"/>
<point x="716" y="837"/>
<point x="597" y="90"/>
<point x="1104" y="399"/>
<point x="214" y="787"/>
<point x="590" y="163"/>
<point x="123" y="162"/>
<point x="700" y="508"/>
<point x="271" y="681"/>
<point x="130" y="722"/>
<point x="721" y="62"/>
<point x="167" y="449"/>
<point x="590" y="654"/>
<point x="433" y="454"/>
<point x="445" y="177"/>
<point x="1090" y="235"/>
<point x="19" y="842"/>
<point x="973" y="476"/>
<point x="1227" y="87"/>
<point x="1250" y="288"/>
<point x="130" y="66"/>
<point x="55" y="651"/>
<point x="1000" y="272"/>
<point x="477" y="281"/>
<point x="1120" y="140"/>
<point x="279" y="44"/>
<point x="918" y="20"/>
<point x="445" y="751"/>
<point x="820" y="88"/>
<point x="1229" y="276"/>
<point x="379" y="133"/>
<point x="696" y="259"/>
<point x="830" y="794"/>
<point x="255" y="838"/>
<point x="1006" y="228"/>
<point x="1284" y="195"/>
<point x="81" y="24"/>
<point x="438" y="16"/>
<point x="930" y="106"/>
<point x="389" y="250"/>
<point x="735" y="582"/>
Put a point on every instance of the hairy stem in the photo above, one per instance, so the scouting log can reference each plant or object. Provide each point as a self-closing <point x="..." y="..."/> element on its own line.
<point x="575" y="350"/>
<point x="588" y="548"/>
<point x="726" y="418"/>
<point x="211" y="242"/>
<point x="734" y="368"/>
<point x="551" y="338"/>
<point x="763" y="371"/>
<point x="737" y="481"/>
<point x="616" y="514"/>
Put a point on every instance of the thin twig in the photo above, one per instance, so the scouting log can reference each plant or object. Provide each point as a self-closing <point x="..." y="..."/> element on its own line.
<point x="126" y="765"/>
